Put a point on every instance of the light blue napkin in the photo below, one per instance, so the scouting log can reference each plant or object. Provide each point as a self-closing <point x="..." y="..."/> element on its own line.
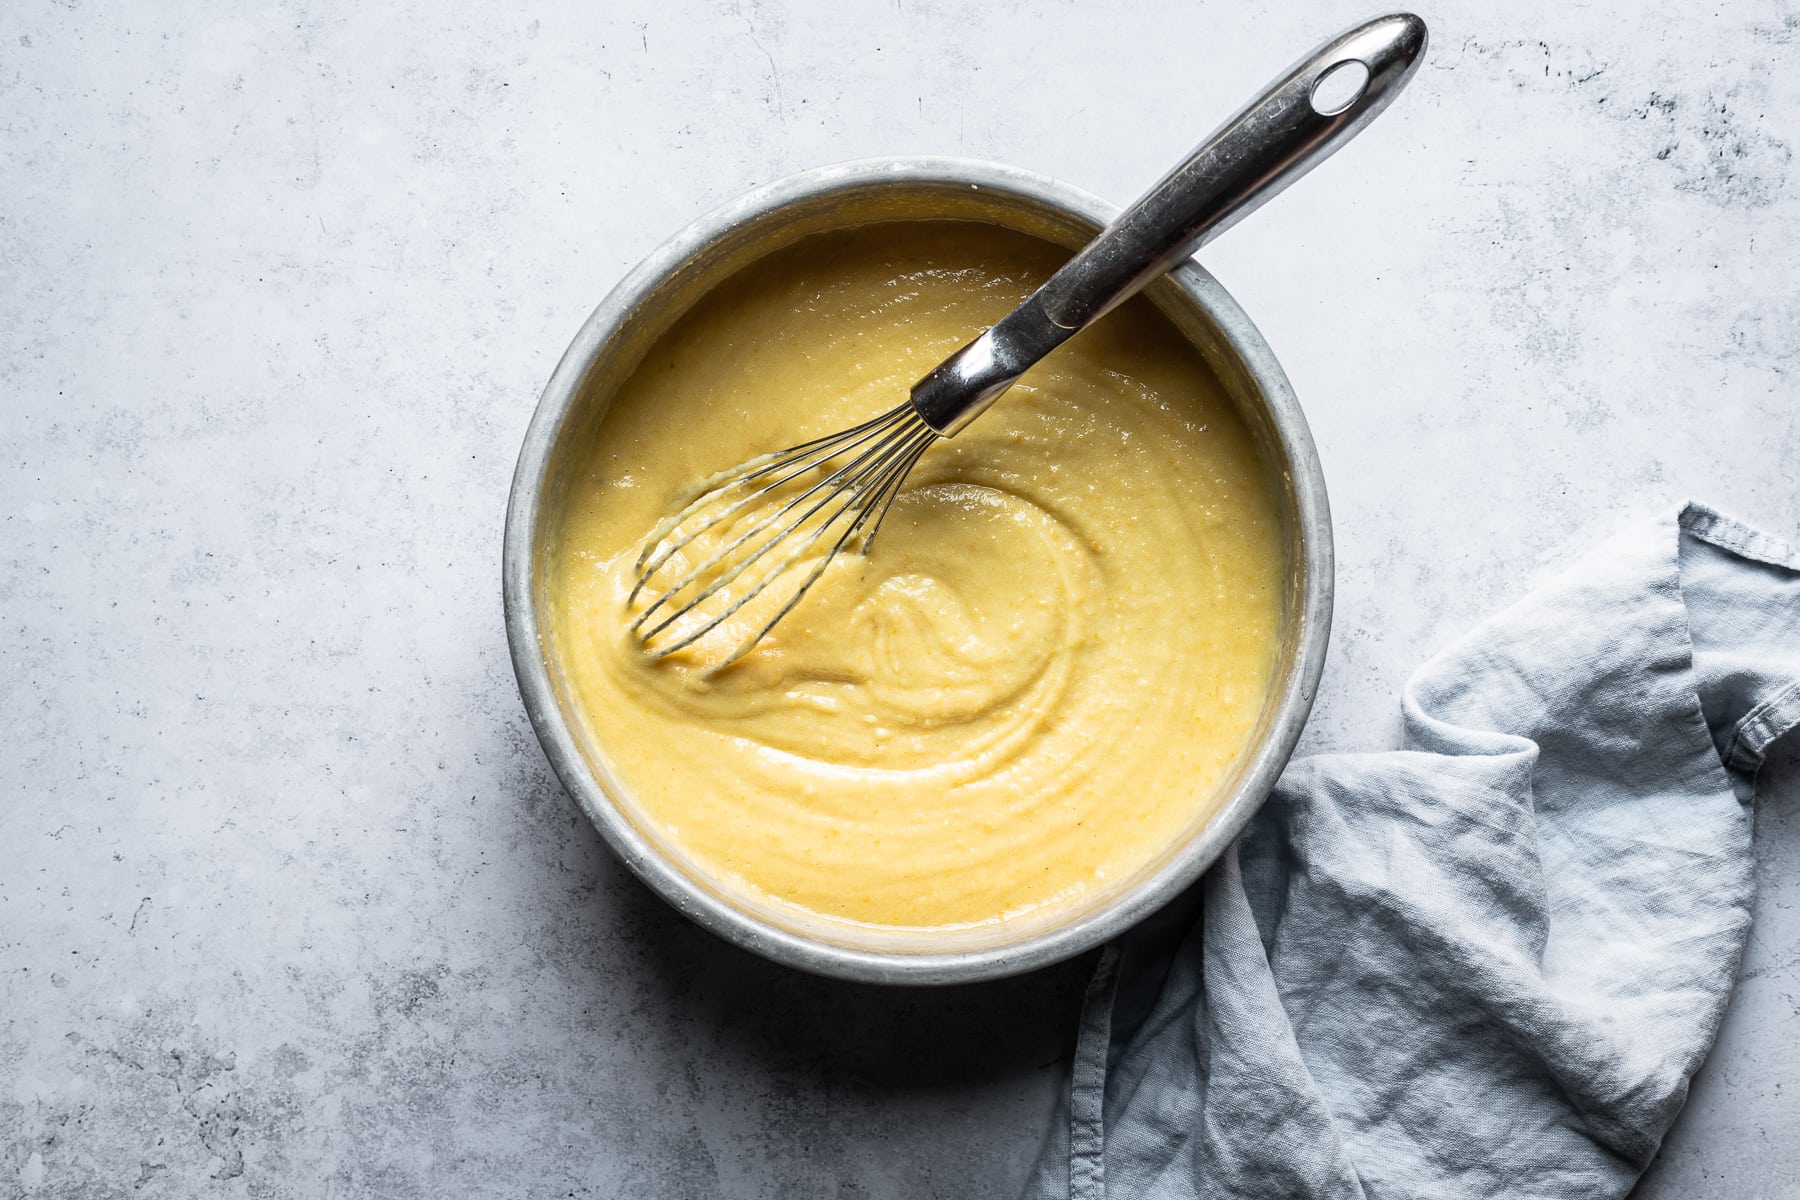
<point x="1484" y="965"/>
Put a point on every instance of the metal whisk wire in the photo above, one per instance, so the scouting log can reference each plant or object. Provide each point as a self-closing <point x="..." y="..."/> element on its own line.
<point x="881" y="453"/>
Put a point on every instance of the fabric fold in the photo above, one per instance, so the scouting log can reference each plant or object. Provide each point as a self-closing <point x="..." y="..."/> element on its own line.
<point x="1485" y="964"/>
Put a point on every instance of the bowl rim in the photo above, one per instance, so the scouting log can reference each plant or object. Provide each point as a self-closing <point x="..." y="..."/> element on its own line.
<point x="526" y="503"/>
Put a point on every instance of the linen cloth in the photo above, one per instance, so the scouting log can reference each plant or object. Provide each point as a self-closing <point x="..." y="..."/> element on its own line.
<point x="1483" y="965"/>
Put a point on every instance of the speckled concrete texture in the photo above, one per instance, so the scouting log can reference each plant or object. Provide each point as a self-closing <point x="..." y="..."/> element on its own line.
<point x="289" y="903"/>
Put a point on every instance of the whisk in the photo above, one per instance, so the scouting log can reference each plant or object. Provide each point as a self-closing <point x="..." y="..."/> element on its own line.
<point x="758" y="537"/>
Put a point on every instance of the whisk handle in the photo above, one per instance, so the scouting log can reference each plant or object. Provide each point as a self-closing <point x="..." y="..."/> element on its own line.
<point x="1296" y="123"/>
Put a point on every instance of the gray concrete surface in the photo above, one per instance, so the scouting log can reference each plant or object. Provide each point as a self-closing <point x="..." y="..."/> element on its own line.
<point x="289" y="905"/>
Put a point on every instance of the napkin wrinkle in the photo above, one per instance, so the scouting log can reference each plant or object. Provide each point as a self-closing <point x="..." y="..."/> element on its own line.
<point x="1485" y="964"/>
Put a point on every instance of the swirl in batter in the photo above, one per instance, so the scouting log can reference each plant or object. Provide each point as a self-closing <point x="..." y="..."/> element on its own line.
<point x="1036" y="683"/>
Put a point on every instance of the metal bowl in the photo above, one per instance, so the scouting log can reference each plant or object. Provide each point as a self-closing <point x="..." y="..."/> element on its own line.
<point x="664" y="286"/>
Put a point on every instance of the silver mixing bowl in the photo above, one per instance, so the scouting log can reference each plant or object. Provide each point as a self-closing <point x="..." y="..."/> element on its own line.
<point x="663" y="287"/>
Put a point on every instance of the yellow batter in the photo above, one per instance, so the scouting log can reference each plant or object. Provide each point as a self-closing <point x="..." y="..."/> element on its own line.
<point x="1038" y="680"/>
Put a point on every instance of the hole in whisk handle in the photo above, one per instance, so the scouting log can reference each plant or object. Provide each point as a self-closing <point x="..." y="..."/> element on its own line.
<point x="1340" y="87"/>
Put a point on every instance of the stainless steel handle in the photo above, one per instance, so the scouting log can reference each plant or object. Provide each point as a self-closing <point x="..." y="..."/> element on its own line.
<point x="1279" y="136"/>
